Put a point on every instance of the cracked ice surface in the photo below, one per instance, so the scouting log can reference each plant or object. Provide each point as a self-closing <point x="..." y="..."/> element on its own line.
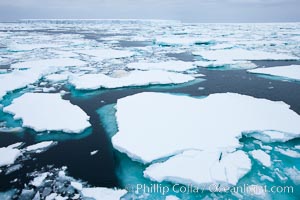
<point x="49" y="113"/>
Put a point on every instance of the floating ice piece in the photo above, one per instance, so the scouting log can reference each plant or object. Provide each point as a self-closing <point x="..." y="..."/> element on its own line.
<point x="8" y="155"/>
<point x="134" y="78"/>
<point x="222" y="46"/>
<point x="40" y="146"/>
<point x="293" y="174"/>
<point x="99" y="193"/>
<point x="272" y="136"/>
<point x="230" y="63"/>
<point x="59" y="62"/>
<point x="171" y="197"/>
<point x="94" y="152"/>
<point x="288" y="152"/>
<point x="38" y="181"/>
<point x="76" y="185"/>
<point x="291" y="72"/>
<point x="161" y="119"/>
<point x="50" y="112"/>
<point x="201" y="168"/>
<point x="29" y="47"/>
<point x="57" y="77"/>
<point x="178" y="66"/>
<point x="172" y="40"/>
<point x="262" y="157"/>
<point x="241" y="54"/>
<point x="21" y="78"/>
<point x="103" y="54"/>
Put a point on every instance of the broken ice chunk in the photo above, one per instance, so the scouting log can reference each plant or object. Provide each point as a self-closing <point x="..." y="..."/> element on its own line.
<point x="262" y="157"/>
<point x="99" y="193"/>
<point x="8" y="155"/>
<point x="50" y="112"/>
<point x="178" y="66"/>
<point x="102" y="54"/>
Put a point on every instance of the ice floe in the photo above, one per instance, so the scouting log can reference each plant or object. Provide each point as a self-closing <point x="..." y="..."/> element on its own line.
<point x="161" y="119"/>
<point x="171" y="40"/>
<point x="291" y="72"/>
<point x="99" y="193"/>
<point x="103" y="54"/>
<point x="8" y="155"/>
<point x="178" y="66"/>
<point x="262" y="157"/>
<point x="288" y="152"/>
<point x="38" y="181"/>
<point x="242" y="54"/>
<point x="49" y="113"/>
<point x="133" y="78"/>
<point x="229" y="63"/>
<point x="201" y="168"/>
<point x="40" y="146"/>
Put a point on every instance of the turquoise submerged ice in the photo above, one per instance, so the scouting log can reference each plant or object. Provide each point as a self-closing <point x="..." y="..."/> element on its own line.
<point x="89" y="59"/>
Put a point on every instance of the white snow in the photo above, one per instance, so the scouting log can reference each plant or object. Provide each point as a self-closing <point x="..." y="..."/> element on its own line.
<point x="231" y="63"/>
<point x="201" y="168"/>
<point x="38" y="181"/>
<point x="57" y="77"/>
<point x="178" y="66"/>
<point x="272" y="136"/>
<point x="40" y="146"/>
<point x="161" y="119"/>
<point x="50" y="112"/>
<point x="99" y="193"/>
<point x="171" y="197"/>
<point x="241" y="54"/>
<point x="103" y="54"/>
<point x="134" y="78"/>
<point x="8" y="155"/>
<point x="291" y="72"/>
<point x="29" y="47"/>
<point x="262" y="157"/>
<point x="76" y="185"/>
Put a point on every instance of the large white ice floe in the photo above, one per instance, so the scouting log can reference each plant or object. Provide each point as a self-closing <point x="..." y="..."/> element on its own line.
<point x="40" y="146"/>
<point x="242" y="54"/>
<point x="48" y="112"/>
<point x="103" y="54"/>
<point x="178" y="66"/>
<point x="34" y="71"/>
<point x="99" y="193"/>
<point x="201" y="168"/>
<point x="133" y="78"/>
<point x="291" y="72"/>
<point x="161" y="119"/>
<point x="8" y="155"/>
<point x="262" y="157"/>
<point x="173" y="40"/>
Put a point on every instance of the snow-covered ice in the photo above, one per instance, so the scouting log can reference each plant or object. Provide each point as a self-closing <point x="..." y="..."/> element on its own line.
<point x="288" y="152"/>
<point x="8" y="155"/>
<point x="38" y="181"/>
<point x="99" y="193"/>
<point x="291" y="72"/>
<point x="242" y="54"/>
<point x="262" y="157"/>
<point x="171" y="40"/>
<point x="133" y="78"/>
<point x="49" y="113"/>
<point x="40" y="146"/>
<point x="229" y="63"/>
<point x="160" y="119"/>
<point x="201" y="168"/>
<point x="103" y="54"/>
<point x="178" y="66"/>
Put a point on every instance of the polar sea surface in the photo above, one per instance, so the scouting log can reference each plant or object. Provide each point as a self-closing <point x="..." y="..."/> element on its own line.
<point x="149" y="109"/>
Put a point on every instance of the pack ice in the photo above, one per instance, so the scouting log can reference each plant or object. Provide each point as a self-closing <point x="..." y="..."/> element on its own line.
<point x="178" y="66"/>
<point x="158" y="121"/>
<point x="103" y="54"/>
<point x="48" y="112"/>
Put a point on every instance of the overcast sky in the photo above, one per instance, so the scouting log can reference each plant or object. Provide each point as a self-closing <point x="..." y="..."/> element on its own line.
<point x="184" y="10"/>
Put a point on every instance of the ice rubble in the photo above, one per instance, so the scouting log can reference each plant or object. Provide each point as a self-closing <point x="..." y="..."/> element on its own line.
<point x="48" y="112"/>
<point x="38" y="181"/>
<point x="242" y="54"/>
<point x="191" y="124"/>
<point x="40" y="146"/>
<point x="201" y="168"/>
<point x="99" y="193"/>
<point x="8" y="155"/>
<point x="133" y="78"/>
<point x="262" y="157"/>
<point x="103" y="54"/>
<point x="178" y="66"/>
<point x="35" y="70"/>
<point x="291" y="72"/>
